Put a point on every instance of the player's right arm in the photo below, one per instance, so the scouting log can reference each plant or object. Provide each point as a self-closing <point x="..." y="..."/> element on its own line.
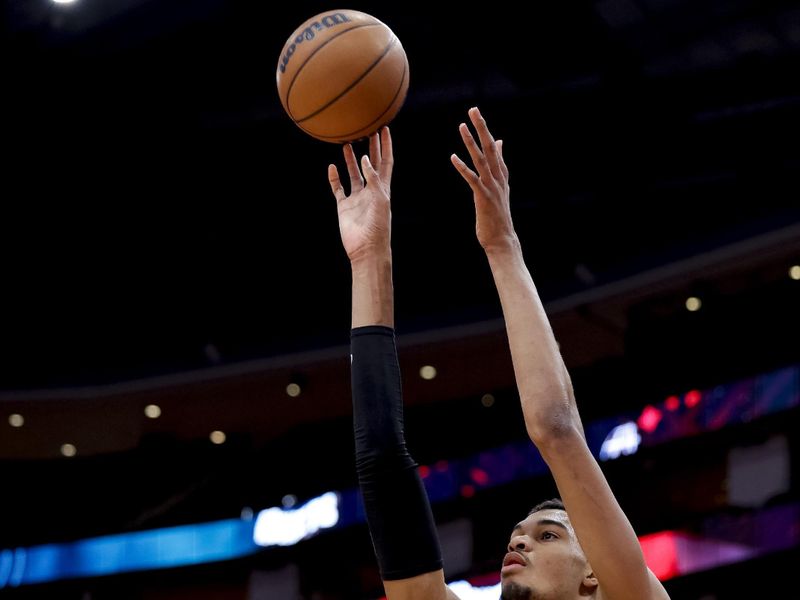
<point x="397" y="508"/>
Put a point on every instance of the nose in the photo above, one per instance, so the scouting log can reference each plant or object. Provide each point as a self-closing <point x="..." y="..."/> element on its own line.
<point x="519" y="543"/>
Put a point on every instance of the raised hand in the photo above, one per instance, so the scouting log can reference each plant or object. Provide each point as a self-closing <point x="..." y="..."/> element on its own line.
<point x="489" y="185"/>
<point x="365" y="214"/>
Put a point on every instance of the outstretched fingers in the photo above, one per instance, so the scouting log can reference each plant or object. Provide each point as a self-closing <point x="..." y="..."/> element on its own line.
<point x="387" y="156"/>
<point x="381" y="154"/>
<point x="375" y="150"/>
<point x="468" y="174"/>
<point x="488" y="146"/>
<point x="336" y="183"/>
<point x="370" y="174"/>
<point x="478" y="159"/>
<point x="503" y="166"/>
<point x="356" y="181"/>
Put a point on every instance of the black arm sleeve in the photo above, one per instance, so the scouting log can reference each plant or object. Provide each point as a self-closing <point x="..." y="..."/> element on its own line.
<point x="397" y="507"/>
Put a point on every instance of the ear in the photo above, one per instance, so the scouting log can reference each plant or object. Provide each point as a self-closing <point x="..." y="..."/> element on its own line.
<point x="589" y="585"/>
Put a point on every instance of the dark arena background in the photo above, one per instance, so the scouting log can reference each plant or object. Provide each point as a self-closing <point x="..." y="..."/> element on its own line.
<point x="174" y="373"/>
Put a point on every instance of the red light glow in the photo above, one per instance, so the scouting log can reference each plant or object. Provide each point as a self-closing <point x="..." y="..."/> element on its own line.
<point x="479" y="476"/>
<point x="649" y="419"/>
<point x="693" y="398"/>
<point x="661" y="554"/>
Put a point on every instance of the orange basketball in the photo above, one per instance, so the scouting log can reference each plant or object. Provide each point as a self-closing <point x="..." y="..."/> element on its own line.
<point x="342" y="75"/>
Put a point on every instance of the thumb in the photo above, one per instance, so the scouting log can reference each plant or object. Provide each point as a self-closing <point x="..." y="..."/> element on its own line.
<point x="369" y="172"/>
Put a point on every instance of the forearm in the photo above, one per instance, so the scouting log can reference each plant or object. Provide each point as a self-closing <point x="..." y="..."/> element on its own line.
<point x="373" y="292"/>
<point x="396" y="505"/>
<point x="544" y="385"/>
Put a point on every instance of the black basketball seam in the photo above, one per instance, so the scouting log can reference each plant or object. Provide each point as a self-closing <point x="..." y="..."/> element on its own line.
<point x="321" y="46"/>
<point x="397" y="93"/>
<point x="353" y="84"/>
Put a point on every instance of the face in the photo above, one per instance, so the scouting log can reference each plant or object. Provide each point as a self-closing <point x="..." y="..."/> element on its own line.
<point x="544" y="560"/>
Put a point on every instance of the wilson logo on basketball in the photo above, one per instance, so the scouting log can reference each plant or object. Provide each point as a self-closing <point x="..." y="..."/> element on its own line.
<point x="310" y="32"/>
<point x="342" y="75"/>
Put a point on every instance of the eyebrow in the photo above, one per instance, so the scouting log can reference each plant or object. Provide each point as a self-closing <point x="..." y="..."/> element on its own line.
<point x="543" y="522"/>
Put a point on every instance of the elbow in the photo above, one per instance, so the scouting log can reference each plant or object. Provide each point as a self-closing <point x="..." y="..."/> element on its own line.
<point x="549" y="437"/>
<point x="386" y="458"/>
<point x="554" y="427"/>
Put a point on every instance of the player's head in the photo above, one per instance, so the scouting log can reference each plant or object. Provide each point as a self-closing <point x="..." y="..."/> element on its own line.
<point x="544" y="558"/>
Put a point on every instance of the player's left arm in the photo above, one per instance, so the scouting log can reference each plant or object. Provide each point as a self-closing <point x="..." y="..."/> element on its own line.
<point x="602" y="528"/>
<point x="545" y="389"/>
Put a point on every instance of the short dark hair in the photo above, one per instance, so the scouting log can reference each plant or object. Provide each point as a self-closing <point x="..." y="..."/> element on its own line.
<point x="552" y="504"/>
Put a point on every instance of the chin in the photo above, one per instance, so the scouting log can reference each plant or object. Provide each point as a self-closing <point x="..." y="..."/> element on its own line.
<point x="511" y="590"/>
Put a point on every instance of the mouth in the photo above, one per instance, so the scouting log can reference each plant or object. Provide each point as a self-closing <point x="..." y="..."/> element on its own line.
<point x="512" y="562"/>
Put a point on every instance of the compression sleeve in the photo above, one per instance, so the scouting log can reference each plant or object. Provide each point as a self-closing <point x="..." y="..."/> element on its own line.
<point x="397" y="508"/>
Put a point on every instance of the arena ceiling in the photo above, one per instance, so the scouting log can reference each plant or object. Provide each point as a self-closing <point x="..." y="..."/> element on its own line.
<point x="163" y="216"/>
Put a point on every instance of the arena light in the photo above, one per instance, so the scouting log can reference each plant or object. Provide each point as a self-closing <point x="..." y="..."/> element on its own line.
<point x="623" y="439"/>
<point x="672" y="403"/>
<point x="773" y="393"/>
<point x="68" y="450"/>
<point x="427" y="372"/>
<point x="693" y="304"/>
<point x="649" y="419"/>
<point x="284" y="527"/>
<point x="466" y="591"/>
<point x="692" y="398"/>
<point x="479" y="476"/>
<point x="164" y="548"/>
<point x="467" y="490"/>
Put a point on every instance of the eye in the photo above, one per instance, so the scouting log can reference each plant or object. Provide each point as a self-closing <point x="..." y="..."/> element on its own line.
<point x="548" y="535"/>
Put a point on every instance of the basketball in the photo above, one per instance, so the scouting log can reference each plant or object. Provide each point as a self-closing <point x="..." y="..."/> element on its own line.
<point x="342" y="75"/>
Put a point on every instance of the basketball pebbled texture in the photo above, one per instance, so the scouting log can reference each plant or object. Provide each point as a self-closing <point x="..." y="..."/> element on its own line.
<point x="342" y="75"/>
